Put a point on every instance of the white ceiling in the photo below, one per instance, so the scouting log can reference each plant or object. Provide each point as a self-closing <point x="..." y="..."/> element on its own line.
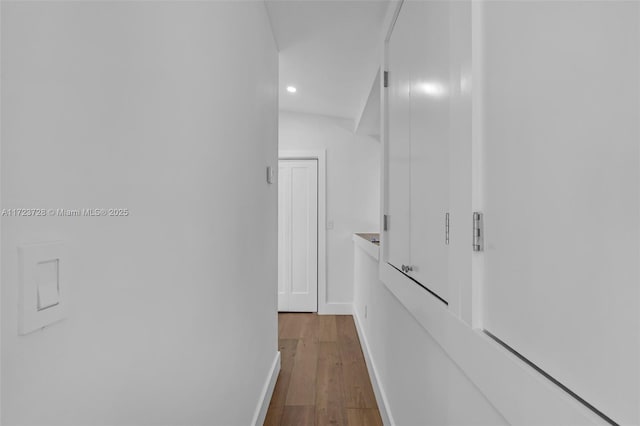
<point x="328" y="51"/>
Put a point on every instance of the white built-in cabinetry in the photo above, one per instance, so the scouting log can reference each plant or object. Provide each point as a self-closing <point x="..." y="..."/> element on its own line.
<point x="552" y="162"/>
<point x="560" y="193"/>
<point x="418" y="157"/>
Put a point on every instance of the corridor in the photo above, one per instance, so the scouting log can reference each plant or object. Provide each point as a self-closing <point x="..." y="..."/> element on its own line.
<point x="448" y="189"/>
<point x="323" y="379"/>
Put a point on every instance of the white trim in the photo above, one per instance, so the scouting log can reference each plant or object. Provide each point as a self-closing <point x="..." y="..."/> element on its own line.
<point x="381" y="396"/>
<point x="321" y="156"/>
<point x="267" y="392"/>
<point x="393" y="10"/>
<point x="473" y="313"/>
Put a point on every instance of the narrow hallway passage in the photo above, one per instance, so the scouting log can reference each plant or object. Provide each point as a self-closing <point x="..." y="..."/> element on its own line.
<point x="323" y="379"/>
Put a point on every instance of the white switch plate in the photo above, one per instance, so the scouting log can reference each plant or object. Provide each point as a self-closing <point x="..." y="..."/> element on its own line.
<point x="41" y="286"/>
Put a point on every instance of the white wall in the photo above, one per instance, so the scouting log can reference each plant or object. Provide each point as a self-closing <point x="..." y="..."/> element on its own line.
<point x="422" y="383"/>
<point x="353" y="194"/>
<point x="168" y="109"/>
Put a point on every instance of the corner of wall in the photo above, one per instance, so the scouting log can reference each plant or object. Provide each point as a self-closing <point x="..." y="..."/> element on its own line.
<point x="267" y="392"/>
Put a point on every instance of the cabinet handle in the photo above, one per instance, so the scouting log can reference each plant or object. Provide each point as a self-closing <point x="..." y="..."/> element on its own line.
<point x="407" y="268"/>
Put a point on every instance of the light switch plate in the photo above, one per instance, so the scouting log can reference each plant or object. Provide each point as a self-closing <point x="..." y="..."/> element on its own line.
<point x="41" y="286"/>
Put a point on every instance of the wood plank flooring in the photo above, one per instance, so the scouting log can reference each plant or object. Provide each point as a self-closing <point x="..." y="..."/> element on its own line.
<point x="323" y="378"/>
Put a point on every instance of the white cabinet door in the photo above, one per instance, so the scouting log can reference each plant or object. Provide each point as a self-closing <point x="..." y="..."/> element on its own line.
<point x="418" y="142"/>
<point x="429" y="142"/>
<point x="399" y="147"/>
<point x="298" y="236"/>
<point x="561" y="193"/>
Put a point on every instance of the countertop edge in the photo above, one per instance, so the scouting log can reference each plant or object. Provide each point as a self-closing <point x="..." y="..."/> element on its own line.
<point x="367" y="246"/>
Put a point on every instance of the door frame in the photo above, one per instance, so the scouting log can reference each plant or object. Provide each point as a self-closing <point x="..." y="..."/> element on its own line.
<point x="320" y="156"/>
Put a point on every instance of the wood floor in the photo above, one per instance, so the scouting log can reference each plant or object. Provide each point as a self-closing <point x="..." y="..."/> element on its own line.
<point x="323" y="379"/>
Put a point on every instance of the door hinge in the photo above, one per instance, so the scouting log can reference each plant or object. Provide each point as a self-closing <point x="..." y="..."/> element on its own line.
<point x="269" y="174"/>
<point x="446" y="228"/>
<point x="478" y="237"/>
<point x="385" y="222"/>
<point x="386" y="78"/>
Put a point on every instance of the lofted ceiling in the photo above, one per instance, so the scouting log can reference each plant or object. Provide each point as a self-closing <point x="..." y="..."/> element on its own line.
<point x="329" y="52"/>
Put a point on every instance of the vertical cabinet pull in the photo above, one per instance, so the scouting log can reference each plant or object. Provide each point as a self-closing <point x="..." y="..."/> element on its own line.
<point x="446" y="228"/>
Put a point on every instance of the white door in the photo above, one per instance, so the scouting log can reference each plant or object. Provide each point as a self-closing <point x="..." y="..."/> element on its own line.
<point x="418" y="143"/>
<point x="399" y="172"/>
<point x="298" y="236"/>
<point x="430" y="105"/>
<point x="561" y="206"/>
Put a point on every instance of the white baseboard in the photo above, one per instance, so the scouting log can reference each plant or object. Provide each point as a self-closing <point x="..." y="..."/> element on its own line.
<point x="267" y="393"/>
<point x="336" y="309"/>
<point x="381" y="397"/>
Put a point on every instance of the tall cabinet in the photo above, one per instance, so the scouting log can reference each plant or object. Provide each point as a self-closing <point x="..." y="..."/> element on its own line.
<point x="555" y="149"/>
<point x="561" y="193"/>
<point x="418" y="155"/>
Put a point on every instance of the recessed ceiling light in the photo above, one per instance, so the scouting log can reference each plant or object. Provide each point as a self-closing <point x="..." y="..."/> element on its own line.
<point x="291" y="89"/>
